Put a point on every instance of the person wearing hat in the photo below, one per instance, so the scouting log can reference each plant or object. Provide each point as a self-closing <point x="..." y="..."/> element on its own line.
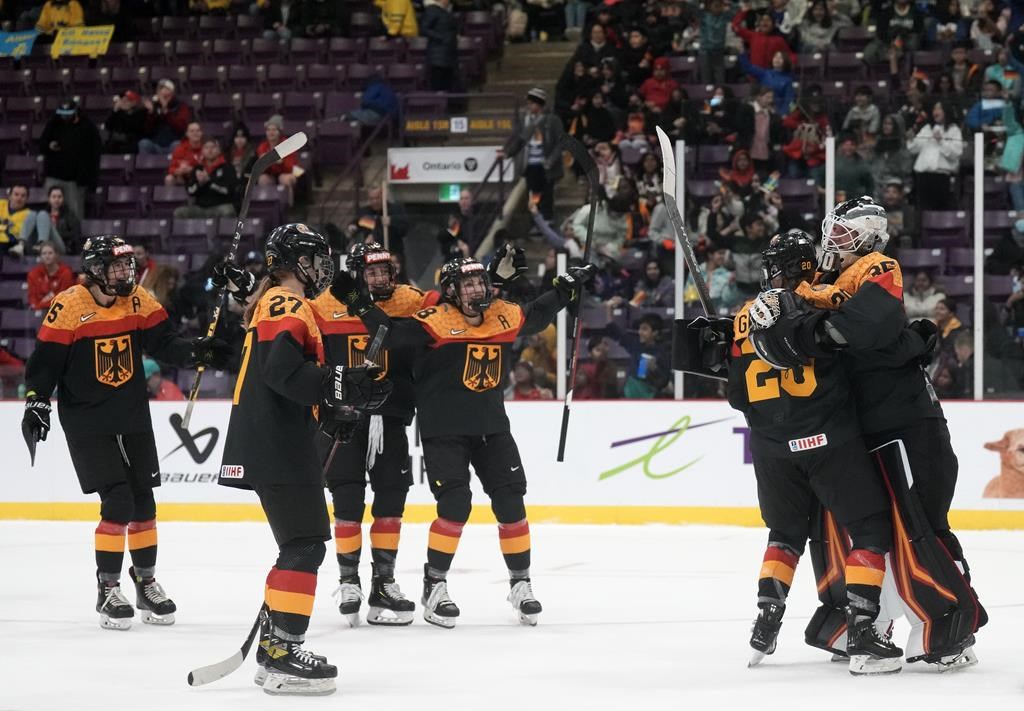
<point x="441" y="28"/>
<point x="158" y="387"/>
<point x="285" y="171"/>
<point x="656" y="91"/>
<point x="126" y="124"/>
<point x="167" y="117"/>
<point x="536" y="148"/>
<point x="71" y="146"/>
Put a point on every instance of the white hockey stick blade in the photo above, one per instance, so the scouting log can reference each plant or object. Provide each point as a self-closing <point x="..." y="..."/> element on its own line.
<point x="668" y="160"/>
<point x="291" y="144"/>
<point x="213" y="672"/>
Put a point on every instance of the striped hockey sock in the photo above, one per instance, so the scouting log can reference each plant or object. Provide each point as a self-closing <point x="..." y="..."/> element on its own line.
<point x="865" y="571"/>
<point x="515" y="547"/>
<point x="777" y="571"/>
<point x="110" y="550"/>
<point x="142" y="546"/>
<point x="289" y="594"/>
<point x="348" y="541"/>
<point x="443" y="542"/>
<point x="384" y="535"/>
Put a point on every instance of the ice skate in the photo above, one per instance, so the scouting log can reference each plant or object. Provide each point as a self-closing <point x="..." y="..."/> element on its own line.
<point x="349" y="595"/>
<point x="438" y="608"/>
<point x="291" y="670"/>
<point x="523" y="602"/>
<point x="952" y="662"/>
<point x="765" y="631"/>
<point x="261" y="655"/>
<point x="871" y="652"/>
<point x="116" y="612"/>
<point x="155" y="608"/>
<point x="388" y="606"/>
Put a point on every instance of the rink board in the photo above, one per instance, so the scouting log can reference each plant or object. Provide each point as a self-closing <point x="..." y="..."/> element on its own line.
<point x="629" y="462"/>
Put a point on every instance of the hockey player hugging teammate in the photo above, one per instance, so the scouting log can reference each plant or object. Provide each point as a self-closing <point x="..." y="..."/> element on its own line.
<point x="462" y="350"/>
<point x="90" y="348"/>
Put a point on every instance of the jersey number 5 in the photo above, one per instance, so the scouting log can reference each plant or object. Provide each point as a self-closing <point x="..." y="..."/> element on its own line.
<point x="766" y="383"/>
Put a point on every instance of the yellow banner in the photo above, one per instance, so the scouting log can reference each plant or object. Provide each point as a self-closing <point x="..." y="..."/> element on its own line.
<point x="92" y="41"/>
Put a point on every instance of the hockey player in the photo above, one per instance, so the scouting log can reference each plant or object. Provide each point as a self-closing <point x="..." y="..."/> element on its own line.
<point x="90" y="348"/>
<point x="376" y="446"/>
<point x="860" y="314"/>
<point x="270" y="445"/>
<point x="463" y="347"/>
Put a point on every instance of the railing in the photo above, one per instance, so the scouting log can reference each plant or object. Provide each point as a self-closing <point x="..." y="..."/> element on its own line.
<point x="353" y="170"/>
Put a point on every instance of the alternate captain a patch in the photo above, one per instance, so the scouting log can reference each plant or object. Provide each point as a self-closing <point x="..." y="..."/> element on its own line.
<point x="483" y="367"/>
<point x="357" y="346"/>
<point x="114" y="362"/>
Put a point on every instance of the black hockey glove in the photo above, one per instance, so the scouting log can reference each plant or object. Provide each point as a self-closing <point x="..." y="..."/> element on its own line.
<point x="36" y="419"/>
<point x="239" y="282"/>
<point x="211" y="352"/>
<point x="792" y="339"/>
<point x="355" y="387"/>
<point x="929" y="334"/>
<point x="348" y="290"/>
<point x="509" y="264"/>
<point x="701" y="346"/>
<point x="572" y="279"/>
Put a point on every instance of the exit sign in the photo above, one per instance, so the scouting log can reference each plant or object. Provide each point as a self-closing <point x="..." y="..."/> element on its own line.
<point x="449" y="192"/>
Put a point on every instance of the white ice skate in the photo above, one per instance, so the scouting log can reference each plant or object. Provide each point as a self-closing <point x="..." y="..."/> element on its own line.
<point x="116" y="612"/>
<point x="349" y="596"/>
<point x="387" y="605"/>
<point x="954" y="662"/>
<point x="155" y="608"/>
<point x="438" y="608"/>
<point x="524" y="603"/>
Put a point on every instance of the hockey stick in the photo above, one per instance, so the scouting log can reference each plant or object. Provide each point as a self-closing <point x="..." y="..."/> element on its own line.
<point x="668" y="187"/>
<point x="283" y="149"/>
<point x="583" y="159"/>
<point x="213" y="672"/>
<point x="371" y="357"/>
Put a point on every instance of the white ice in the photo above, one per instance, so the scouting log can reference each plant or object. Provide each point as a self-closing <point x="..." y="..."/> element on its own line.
<point x="634" y="618"/>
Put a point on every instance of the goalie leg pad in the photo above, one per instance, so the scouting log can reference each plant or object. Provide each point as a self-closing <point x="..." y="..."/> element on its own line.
<point x="829" y="548"/>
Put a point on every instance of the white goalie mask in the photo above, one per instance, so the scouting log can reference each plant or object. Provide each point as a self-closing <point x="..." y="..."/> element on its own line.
<point x="851" y="230"/>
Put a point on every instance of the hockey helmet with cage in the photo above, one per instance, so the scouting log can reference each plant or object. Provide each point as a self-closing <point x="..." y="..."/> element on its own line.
<point x="102" y="251"/>
<point x="459" y="270"/>
<point x="851" y="230"/>
<point x="300" y="249"/>
<point x="789" y="255"/>
<point x="363" y="256"/>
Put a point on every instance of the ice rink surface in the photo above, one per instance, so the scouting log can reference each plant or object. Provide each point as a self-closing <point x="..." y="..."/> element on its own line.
<point x="636" y="617"/>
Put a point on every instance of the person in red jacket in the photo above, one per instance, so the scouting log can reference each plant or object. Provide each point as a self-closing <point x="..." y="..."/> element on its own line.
<point x="186" y="156"/>
<point x="764" y="41"/>
<point x="48" y="278"/>
<point x="166" y="119"/>
<point x="282" y="172"/>
<point x="656" y="91"/>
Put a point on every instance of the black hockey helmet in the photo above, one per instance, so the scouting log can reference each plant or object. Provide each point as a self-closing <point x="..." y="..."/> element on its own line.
<point x="789" y="255"/>
<point x="363" y="255"/>
<point x="454" y="272"/>
<point x="99" y="253"/>
<point x="303" y="251"/>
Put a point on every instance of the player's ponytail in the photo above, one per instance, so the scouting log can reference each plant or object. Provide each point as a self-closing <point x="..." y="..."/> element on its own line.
<point x="264" y="286"/>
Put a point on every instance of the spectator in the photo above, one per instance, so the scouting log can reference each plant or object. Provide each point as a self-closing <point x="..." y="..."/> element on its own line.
<point x="612" y="86"/>
<point x="210" y="185"/>
<point x="806" y="155"/>
<point x="637" y="57"/>
<point x="714" y="24"/>
<point x="890" y="159"/>
<point x="654" y="288"/>
<point x="948" y="325"/>
<point x="759" y="129"/>
<point x="596" y="49"/>
<point x="281" y="19"/>
<point x="863" y="117"/>
<point x="593" y="376"/>
<point x="987" y="111"/>
<point x="159" y="387"/>
<point x="989" y="26"/>
<point x="48" y="278"/>
<point x="922" y="297"/>
<point x="167" y="118"/>
<point x="125" y="125"/>
<point x="595" y="124"/>
<point x="1005" y="73"/>
<point x="900" y="218"/>
<point x="1006" y="255"/>
<point x="186" y="156"/>
<point x="71" y="147"/>
<point x="657" y="90"/>
<point x="950" y="25"/>
<point x="540" y="351"/>
<point x="440" y="27"/>
<point x="466" y="223"/>
<point x="286" y="171"/>
<point x="116" y="13"/>
<point x="609" y="167"/>
<point x="819" y="27"/>
<point x="966" y="75"/>
<point x="900" y="27"/>
<point x="746" y="253"/>
<point x="538" y="142"/>
<point x="721" y="281"/>
<point x="650" y="362"/>
<point x="15" y="225"/>
<point x="762" y="42"/>
<point x="319" y="18"/>
<point x="853" y="173"/>
<point x="213" y="7"/>
<point x="60" y="13"/>
<point x="378" y="103"/>
<point x="56" y="224"/>
<point x="577" y="82"/>
<point x="370" y="221"/>
<point x="937" y="146"/>
<point x="146" y="269"/>
<point x="566" y="242"/>
<point x="778" y="79"/>
<point x="575" y="18"/>
<point x="242" y="154"/>
<point x="523" y="385"/>
<point x="610" y="224"/>
<point x="740" y="173"/>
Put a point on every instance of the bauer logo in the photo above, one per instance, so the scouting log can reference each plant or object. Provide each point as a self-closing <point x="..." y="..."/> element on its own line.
<point x="805" y="443"/>
<point x="190" y="442"/>
<point x="232" y="471"/>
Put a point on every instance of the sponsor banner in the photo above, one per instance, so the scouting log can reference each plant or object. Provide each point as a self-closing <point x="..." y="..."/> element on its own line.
<point x="422" y="126"/>
<point x="445" y="164"/>
<point x="17" y="44"/>
<point x="91" y="41"/>
<point x="629" y="455"/>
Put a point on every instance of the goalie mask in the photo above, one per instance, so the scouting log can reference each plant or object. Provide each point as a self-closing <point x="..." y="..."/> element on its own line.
<point x="303" y="251"/>
<point x="851" y="230"/>
<point x="372" y="265"/>
<point x="465" y="283"/>
<point x="789" y="259"/>
<point x="109" y="262"/>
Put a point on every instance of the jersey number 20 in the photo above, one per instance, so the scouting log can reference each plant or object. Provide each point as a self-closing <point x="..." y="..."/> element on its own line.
<point x="766" y="383"/>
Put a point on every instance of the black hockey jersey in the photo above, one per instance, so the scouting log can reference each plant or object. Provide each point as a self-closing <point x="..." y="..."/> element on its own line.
<point x="270" y="438"/>
<point x="93" y="355"/>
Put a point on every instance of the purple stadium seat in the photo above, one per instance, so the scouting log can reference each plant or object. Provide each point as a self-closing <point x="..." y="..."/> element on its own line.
<point x="933" y="259"/>
<point x="13" y="293"/>
<point x="15" y="269"/>
<point x="22" y="170"/>
<point x="216" y="384"/>
<point x="952" y="226"/>
<point x="929" y="61"/>
<point x="129" y="78"/>
<point x="218" y="108"/>
<point x="150" y="231"/>
<point x="345" y="50"/>
<point x="176" y="28"/>
<point x="150" y="169"/>
<point x="166" y="71"/>
<point x="701" y="191"/>
<point x="337" y="140"/>
<point x="698" y="92"/>
<point x="259" y="107"/>
<point x="97" y="107"/>
<point x="357" y="76"/>
<point x="21" y="347"/>
<point x="146" y="27"/>
<point x="125" y="201"/>
<point x="363" y="24"/>
<point x="266" y="51"/>
<point x="215" y="26"/>
<point x="996" y="196"/>
<point x="338" y="103"/>
<point x="20" y="320"/>
<point x="91" y="228"/>
<point x="115" y="169"/>
<point x="191" y="52"/>
<point x="999" y="223"/>
<point x="853" y="39"/>
<point x="405" y="77"/>
<point x="283" y="77"/>
<point x="961" y="260"/>
<point x="206" y="79"/>
<point x="384" y="50"/>
<point x="415" y="104"/>
<point x="268" y="203"/>
<point x="683" y="68"/>
<point x="956" y="287"/>
<point x="836" y="90"/>
<point x="254" y="232"/>
<point x="810" y="67"/>
<point x="303" y="104"/>
<point x="37" y="197"/>
<point x="798" y="194"/>
<point x="230" y="51"/>
<point x="325" y="77"/>
<point x="712" y="158"/>
<point x="998" y="287"/>
<point x="248" y="26"/>
<point x="741" y="91"/>
<point x="119" y="54"/>
<point x="23" y="109"/>
<point x="245" y="78"/>
<point x="305" y="51"/>
<point x="14" y="81"/>
<point x="416" y="50"/>
<point x="50" y="81"/>
<point x="191" y="236"/>
<point x="166" y="198"/>
<point x="13" y="138"/>
<point x="149" y="53"/>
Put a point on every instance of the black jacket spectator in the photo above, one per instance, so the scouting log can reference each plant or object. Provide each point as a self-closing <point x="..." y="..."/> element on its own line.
<point x="125" y="125"/>
<point x="218" y="190"/>
<point x="745" y="126"/>
<point x="71" y="150"/>
<point x="441" y="29"/>
<point x="1008" y="253"/>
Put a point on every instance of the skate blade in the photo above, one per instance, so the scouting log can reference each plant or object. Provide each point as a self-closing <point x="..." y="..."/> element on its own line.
<point x="389" y="618"/>
<point x="260" y="677"/>
<point x="151" y="618"/>
<point x="446" y="622"/>
<point x="288" y="685"/>
<point x="115" y="623"/>
<point x="966" y="658"/>
<point x="528" y="620"/>
<point x="755" y="659"/>
<point x="837" y="657"/>
<point x="866" y="665"/>
<point x="352" y="618"/>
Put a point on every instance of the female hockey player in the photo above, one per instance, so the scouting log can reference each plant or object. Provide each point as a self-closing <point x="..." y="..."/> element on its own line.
<point x="270" y="445"/>
<point x="463" y="347"/>
<point x="376" y="446"/>
<point x="90" y="348"/>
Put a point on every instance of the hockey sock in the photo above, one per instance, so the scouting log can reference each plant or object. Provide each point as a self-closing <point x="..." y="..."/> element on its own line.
<point x="777" y="571"/>
<point x="443" y="542"/>
<point x="348" y="540"/>
<point x="142" y="546"/>
<point x="109" y="550"/>
<point x="515" y="547"/>
<point x="384" y="534"/>
<point x="865" y="570"/>
<point x="289" y="595"/>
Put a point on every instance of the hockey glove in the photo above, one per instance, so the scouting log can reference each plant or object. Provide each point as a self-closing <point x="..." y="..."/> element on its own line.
<point x="355" y="387"/>
<point x="239" y="282"/>
<point x="791" y="341"/>
<point x="347" y="289"/>
<point x="765" y="310"/>
<point x="211" y="352"/>
<point x="701" y="346"/>
<point x="36" y="419"/>
<point x="929" y="334"/>
<point x="509" y="264"/>
<point x="567" y="283"/>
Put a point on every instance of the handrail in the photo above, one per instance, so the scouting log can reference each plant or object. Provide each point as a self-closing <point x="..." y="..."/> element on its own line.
<point x="356" y="162"/>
